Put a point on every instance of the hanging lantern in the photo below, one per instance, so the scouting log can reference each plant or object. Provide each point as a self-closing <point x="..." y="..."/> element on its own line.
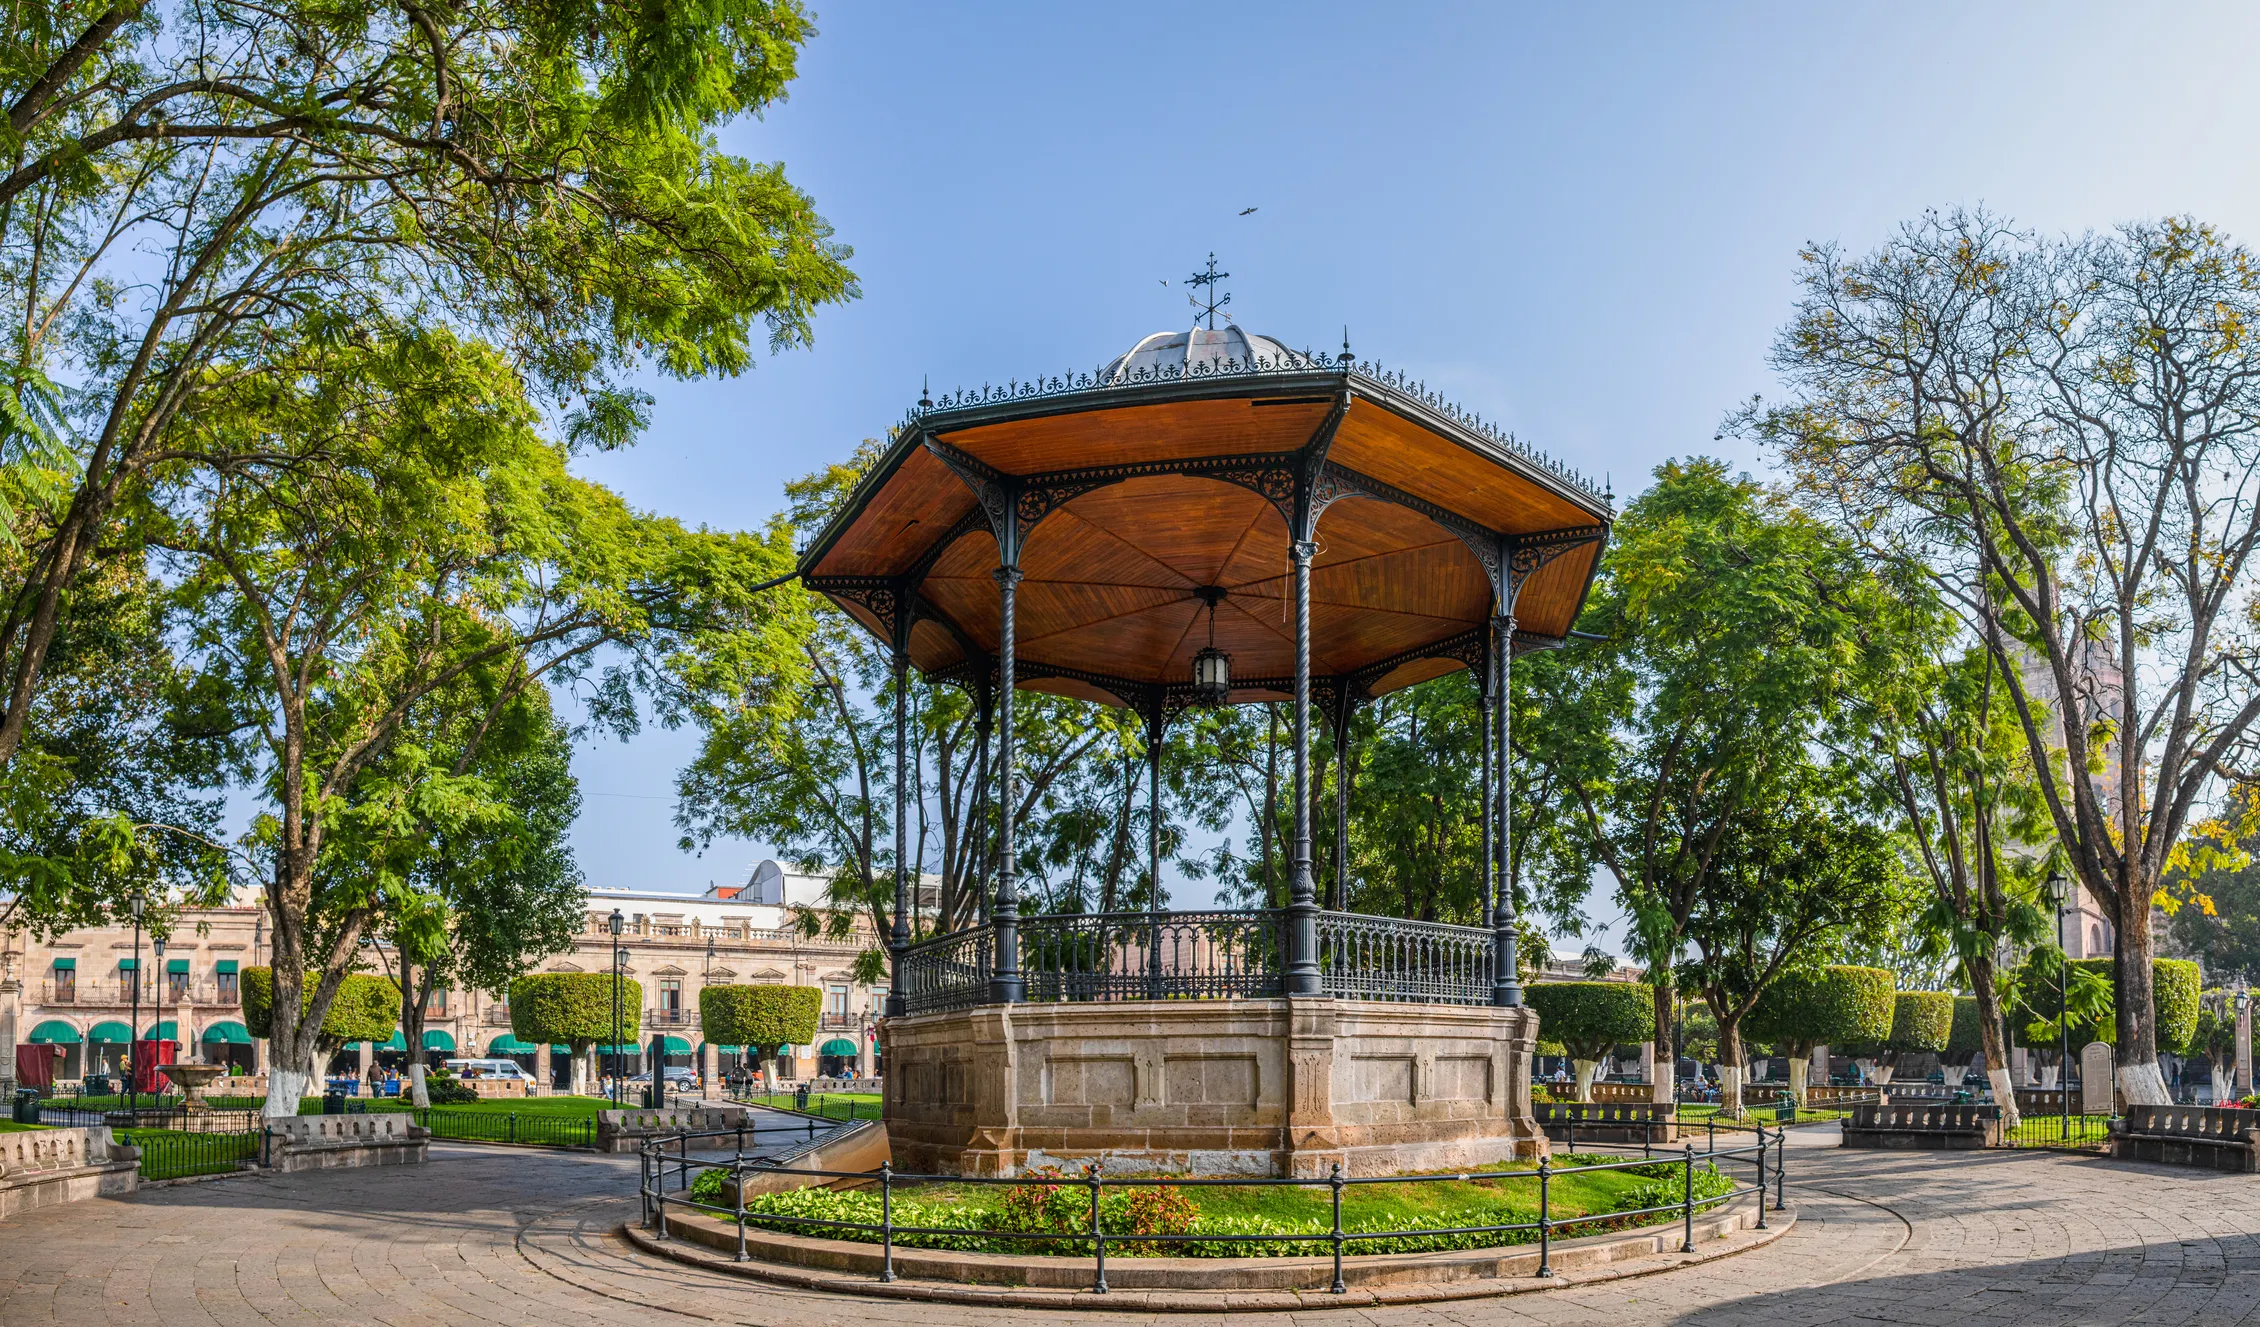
<point x="1212" y="667"/>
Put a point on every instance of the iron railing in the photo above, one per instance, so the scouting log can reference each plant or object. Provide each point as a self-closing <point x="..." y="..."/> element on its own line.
<point x="1390" y="958"/>
<point x="531" y="1128"/>
<point x="947" y="972"/>
<point x="1092" y="957"/>
<point x="172" y="1156"/>
<point x="668" y="1177"/>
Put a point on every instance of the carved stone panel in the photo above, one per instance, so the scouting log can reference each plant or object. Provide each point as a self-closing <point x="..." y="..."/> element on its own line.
<point x="1211" y="1080"/>
<point x="1074" y="1080"/>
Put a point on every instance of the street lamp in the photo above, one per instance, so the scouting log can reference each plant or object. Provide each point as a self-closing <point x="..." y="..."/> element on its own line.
<point x="618" y="922"/>
<point x="2060" y="893"/>
<point x="133" y="1031"/>
<point x="706" y="979"/>
<point x="157" y="993"/>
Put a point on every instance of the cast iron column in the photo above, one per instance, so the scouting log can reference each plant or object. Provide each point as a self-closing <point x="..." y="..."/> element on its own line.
<point x="1004" y="979"/>
<point x="1302" y="889"/>
<point x="900" y="940"/>
<point x="984" y="880"/>
<point x="1506" y="981"/>
<point x="1342" y="803"/>
<point x="1156" y="718"/>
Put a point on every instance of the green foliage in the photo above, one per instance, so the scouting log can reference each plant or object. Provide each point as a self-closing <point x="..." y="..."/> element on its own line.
<point x="1837" y="1006"/>
<point x="1964" y="1038"/>
<point x="1920" y="1021"/>
<point x="574" y="1008"/>
<point x="2174" y="987"/>
<point x="442" y="1088"/>
<point x="1591" y="1018"/>
<point x="2213" y="1038"/>
<point x="366" y="1007"/>
<point x="761" y="1017"/>
<point x="2174" y="998"/>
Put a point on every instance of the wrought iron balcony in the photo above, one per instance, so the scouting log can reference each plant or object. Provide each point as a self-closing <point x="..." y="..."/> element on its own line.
<point x="1202" y="956"/>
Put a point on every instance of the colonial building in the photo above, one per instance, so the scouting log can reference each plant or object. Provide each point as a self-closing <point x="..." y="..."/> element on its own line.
<point x="83" y="993"/>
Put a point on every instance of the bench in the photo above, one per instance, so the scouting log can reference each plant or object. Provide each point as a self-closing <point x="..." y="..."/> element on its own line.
<point x="2215" y="1137"/>
<point x="1572" y="1123"/>
<point x="330" y="1142"/>
<point x="628" y="1130"/>
<point x="1926" y="1125"/>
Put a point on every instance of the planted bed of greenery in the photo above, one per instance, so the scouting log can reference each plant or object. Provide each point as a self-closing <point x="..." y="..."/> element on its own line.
<point x="1390" y="1217"/>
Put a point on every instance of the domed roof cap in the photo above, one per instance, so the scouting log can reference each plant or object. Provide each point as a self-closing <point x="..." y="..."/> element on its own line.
<point x="1201" y="350"/>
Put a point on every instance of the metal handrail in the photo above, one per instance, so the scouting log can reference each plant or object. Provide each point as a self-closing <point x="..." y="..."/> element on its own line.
<point x="657" y="1165"/>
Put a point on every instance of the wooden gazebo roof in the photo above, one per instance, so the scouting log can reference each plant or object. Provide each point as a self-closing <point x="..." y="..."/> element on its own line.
<point x="1134" y="489"/>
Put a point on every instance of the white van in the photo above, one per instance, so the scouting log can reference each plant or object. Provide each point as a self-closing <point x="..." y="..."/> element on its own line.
<point x="470" y="1069"/>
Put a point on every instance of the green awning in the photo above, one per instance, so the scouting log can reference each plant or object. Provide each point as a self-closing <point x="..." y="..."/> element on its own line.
<point x="165" y="1031"/>
<point x="397" y="1043"/>
<point x="726" y="1050"/>
<point x="229" y="1032"/>
<point x="225" y="967"/>
<point x="620" y="1048"/>
<point x="838" y="1046"/>
<point x="676" y="1046"/>
<point x="508" y="1044"/>
<point x="54" y="1032"/>
<point x="66" y="964"/>
<point x="436" y="1040"/>
<point x="176" y="965"/>
<point x="128" y="964"/>
<point x="110" y="1034"/>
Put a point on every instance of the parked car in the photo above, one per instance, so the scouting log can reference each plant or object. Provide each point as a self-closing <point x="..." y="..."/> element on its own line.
<point x="676" y="1077"/>
<point x="489" y="1069"/>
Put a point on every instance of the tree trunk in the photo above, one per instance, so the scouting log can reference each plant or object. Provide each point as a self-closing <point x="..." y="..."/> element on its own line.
<point x="1800" y="1067"/>
<point x="2140" y="1082"/>
<point x="1585" y="1070"/>
<point x="1665" y="1087"/>
<point x="579" y="1077"/>
<point x="1730" y="1067"/>
<point x="1991" y="1038"/>
<point x="412" y="1032"/>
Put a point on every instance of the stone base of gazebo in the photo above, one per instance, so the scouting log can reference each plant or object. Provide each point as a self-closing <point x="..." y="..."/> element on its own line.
<point x="1263" y="1087"/>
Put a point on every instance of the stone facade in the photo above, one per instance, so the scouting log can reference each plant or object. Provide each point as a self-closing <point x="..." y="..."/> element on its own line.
<point x="1216" y="1087"/>
<point x="42" y="1167"/>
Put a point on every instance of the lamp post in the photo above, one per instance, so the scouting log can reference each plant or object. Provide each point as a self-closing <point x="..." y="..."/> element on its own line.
<point x="706" y="979"/>
<point x="2060" y="892"/>
<point x="133" y="1030"/>
<point x="157" y="993"/>
<point x="2240" y="1076"/>
<point x="618" y="922"/>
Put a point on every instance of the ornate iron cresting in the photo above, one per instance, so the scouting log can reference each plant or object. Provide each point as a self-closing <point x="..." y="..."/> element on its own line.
<point x="1092" y="957"/>
<point x="1396" y="384"/>
<point x="1389" y="958"/>
<point x="948" y="972"/>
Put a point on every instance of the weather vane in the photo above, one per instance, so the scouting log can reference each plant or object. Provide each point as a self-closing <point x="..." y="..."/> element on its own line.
<point x="1209" y="279"/>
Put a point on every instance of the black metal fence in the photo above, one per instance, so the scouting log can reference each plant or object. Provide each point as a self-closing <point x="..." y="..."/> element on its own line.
<point x="1213" y="955"/>
<point x="667" y="1179"/>
<point x="167" y="1155"/>
<point x="531" y="1128"/>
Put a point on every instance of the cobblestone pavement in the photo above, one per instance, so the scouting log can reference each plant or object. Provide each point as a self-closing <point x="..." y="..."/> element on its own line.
<point x="494" y="1237"/>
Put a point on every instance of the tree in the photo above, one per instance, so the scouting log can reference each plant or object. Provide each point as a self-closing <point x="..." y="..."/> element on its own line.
<point x="1729" y="626"/>
<point x="2064" y="438"/>
<point x="760" y="1018"/>
<point x="1920" y="1021"/>
<point x="1590" y="1019"/>
<point x="1795" y="876"/>
<point x="365" y="1007"/>
<point x="576" y="1009"/>
<point x="356" y="539"/>
<point x="1966" y="1038"/>
<point x="2220" y="927"/>
<point x="2055" y="1005"/>
<point x="2213" y="1040"/>
<point x="1834" y="1006"/>
<point x="189" y="185"/>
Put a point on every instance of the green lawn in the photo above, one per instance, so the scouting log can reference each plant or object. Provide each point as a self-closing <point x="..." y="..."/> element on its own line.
<point x="10" y="1126"/>
<point x="576" y="1107"/>
<point x="2049" y="1131"/>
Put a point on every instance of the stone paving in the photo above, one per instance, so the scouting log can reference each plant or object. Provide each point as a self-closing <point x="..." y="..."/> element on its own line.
<point x="498" y="1237"/>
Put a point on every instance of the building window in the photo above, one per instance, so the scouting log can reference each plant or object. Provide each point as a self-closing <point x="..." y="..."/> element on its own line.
<point x="63" y="986"/>
<point x="229" y="992"/>
<point x="837" y="999"/>
<point x="176" y="986"/>
<point x="435" y="1003"/>
<point x="671" y="998"/>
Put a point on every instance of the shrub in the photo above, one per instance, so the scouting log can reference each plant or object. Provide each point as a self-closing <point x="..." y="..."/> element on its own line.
<point x="1920" y="1021"/>
<point x="1837" y="1006"/>
<point x="574" y="1008"/>
<point x="445" y="1089"/>
<point x="761" y="1017"/>
<point x="1592" y="1018"/>
<point x="1965" y="1038"/>
<point x="366" y="1008"/>
<point x="2174" y="988"/>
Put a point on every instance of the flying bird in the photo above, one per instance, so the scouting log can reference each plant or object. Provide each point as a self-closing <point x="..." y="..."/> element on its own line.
<point x="1246" y="210"/>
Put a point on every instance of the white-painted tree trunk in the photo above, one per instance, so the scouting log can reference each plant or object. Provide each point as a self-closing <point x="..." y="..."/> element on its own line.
<point x="2221" y="1087"/>
<point x="1584" y="1069"/>
<point x="1799" y="1069"/>
<point x="1882" y="1074"/>
<point x="1867" y="1069"/>
<point x="417" y="1096"/>
<point x="1730" y="1090"/>
<point x="1955" y="1073"/>
<point x="285" y="1087"/>
<point x="1757" y="1071"/>
<point x="580" y="1074"/>
<point x="2049" y="1074"/>
<point x="2143" y="1085"/>
<point x="2005" y="1097"/>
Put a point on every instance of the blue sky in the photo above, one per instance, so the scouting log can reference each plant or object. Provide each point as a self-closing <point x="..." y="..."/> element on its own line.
<point x="1582" y="221"/>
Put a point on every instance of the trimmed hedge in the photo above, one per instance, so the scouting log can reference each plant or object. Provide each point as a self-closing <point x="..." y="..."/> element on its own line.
<point x="1967" y="1037"/>
<point x="366" y="1008"/>
<point x="1838" y="1006"/>
<point x="2175" y="984"/>
<point x="1592" y="1018"/>
<point x="760" y="1017"/>
<point x="1920" y="1021"/>
<point x="574" y="1008"/>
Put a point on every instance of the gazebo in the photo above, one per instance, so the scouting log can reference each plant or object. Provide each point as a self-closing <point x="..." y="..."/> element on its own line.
<point x="1210" y="518"/>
